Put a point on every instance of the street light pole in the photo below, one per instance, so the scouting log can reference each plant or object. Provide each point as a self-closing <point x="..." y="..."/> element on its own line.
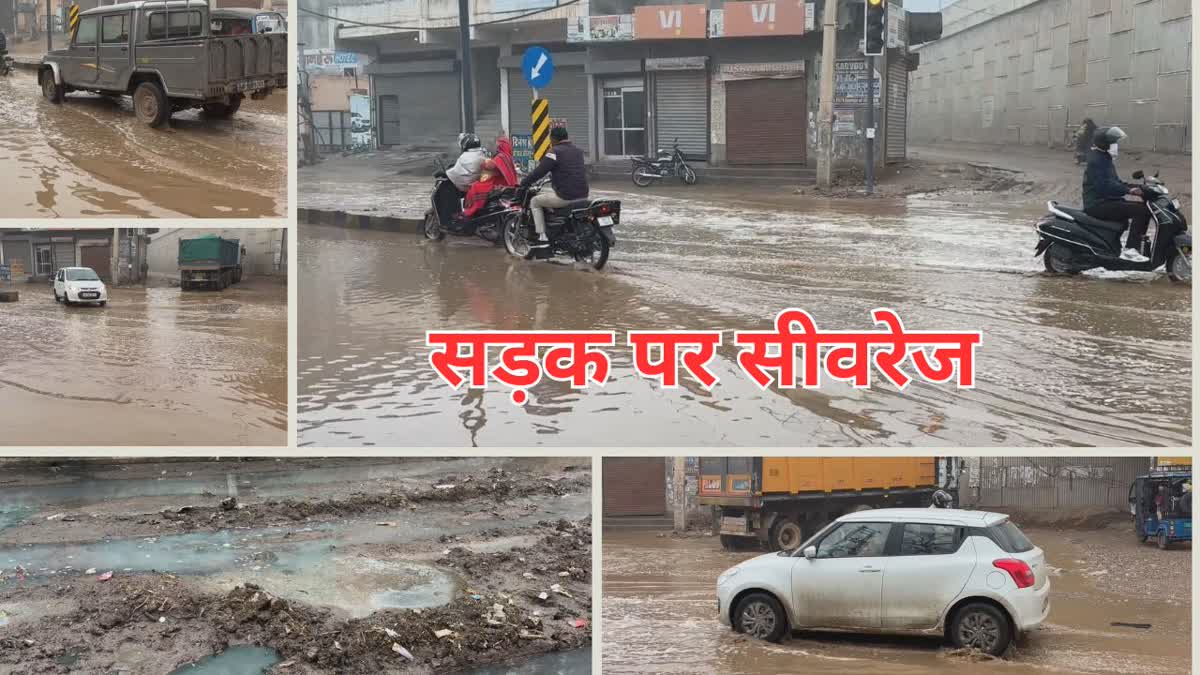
<point x="825" y="131"/>
<point x="468" y="93"/>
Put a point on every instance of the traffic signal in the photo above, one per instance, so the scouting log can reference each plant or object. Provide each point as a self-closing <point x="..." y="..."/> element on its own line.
<point x="874" y="27"/>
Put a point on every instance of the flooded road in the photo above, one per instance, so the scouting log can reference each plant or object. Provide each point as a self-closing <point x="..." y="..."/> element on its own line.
<point x="660" y="617"/>
<point x="156" y="366"/>
<point x="90" y="156"/>
<point x="1102" y="359"/>
<point x="355" y="552"/>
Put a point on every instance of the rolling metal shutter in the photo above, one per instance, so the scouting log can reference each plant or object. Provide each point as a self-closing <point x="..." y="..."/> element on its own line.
<point x="64" y="254"/>
<point x="98" y="258"/>
<point x="568" y="97"/>
<point x="635" y="486"/>
<point x="766" y="121"/>
<point x="897" y="109"/>
<point x="418" y="109"/>
<point x="681" y="111"/>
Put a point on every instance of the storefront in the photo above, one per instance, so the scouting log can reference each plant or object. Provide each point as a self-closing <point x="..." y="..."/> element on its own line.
<point x="766" y="112"/>
<point x="417" y="102"/>
<point x="680" y="109"/>
<point x="622" y="116"/>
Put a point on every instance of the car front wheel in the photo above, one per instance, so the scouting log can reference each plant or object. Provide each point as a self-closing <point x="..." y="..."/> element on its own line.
<point x="983" y="627"/>
<point x="761" y="616"/>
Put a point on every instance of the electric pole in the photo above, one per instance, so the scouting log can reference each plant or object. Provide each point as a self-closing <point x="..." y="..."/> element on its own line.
<point x="679" y="487"/>
<point x="825" y="130"/>
<point x="874" y="41"/>
<point x="468" y="93"/>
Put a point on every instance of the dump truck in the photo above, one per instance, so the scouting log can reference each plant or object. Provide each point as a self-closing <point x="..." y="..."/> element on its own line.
<point x="781" y="501"/>
<point x="209" y="262"/>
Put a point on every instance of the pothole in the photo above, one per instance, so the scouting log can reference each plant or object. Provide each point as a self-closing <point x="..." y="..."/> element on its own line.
<point x="240" y="660"/>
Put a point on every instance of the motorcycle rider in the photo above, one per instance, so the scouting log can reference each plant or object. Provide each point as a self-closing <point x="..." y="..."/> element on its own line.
<point x="469" y="166"/>
<point x="1104" y="193"/>
<point x="568" y="176"/>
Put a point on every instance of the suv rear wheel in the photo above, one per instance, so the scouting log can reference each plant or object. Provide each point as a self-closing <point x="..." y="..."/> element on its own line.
<point x="981" y="626"/>
<point x="51" y="89"/>
<point x="761" y="616"/>
<point x="151" y="104"/>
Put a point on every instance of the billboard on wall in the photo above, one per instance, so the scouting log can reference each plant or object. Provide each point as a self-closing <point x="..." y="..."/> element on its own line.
<point x="764" y="17"/>
<point x="360" y="120"/>
<point x="610" y="28"/>
<point x="656" y="22"/>
<point x="850" y="84"/>
<point x="330" y="61"/>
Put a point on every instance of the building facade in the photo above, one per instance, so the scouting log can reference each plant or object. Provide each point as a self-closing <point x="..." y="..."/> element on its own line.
<point x="266" y="250"/>
<point x="1031" y="75"/>
<point x="35" y="255"/>
<point x="735" y="82"/>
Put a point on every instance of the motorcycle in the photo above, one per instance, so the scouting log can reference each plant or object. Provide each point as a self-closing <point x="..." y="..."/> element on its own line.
<point x="583" y="229"/>
<point x="445" y="213"/>
<point x="646" y="170"/>
<point x="1070" y="241"/>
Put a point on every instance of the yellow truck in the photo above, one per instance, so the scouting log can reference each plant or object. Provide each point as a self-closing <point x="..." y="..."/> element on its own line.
<point x="780" y="501"/>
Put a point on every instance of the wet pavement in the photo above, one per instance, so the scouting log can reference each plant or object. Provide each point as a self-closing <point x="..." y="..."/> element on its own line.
<point x="90" y="157"/>
<point x="660" y="617"/>
<point x="156" y="366"/>
<point x="1103" y="359"/>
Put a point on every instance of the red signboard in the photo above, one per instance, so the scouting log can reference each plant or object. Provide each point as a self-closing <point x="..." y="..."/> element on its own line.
<point x="765" y="17"/>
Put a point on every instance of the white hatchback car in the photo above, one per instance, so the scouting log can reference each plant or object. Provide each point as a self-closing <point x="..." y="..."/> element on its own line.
<point x="79" y="284"/>
<point x="971" y="576"/>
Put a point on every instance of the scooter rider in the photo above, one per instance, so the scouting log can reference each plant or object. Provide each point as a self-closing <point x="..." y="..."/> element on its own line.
<point x="568" y="175"/>
<point x="469" y="166"/>
<point x="1104" y="192"/>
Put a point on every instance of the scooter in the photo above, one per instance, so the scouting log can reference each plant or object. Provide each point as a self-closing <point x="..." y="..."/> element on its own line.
<point x="646" y="170"/>
<point x="582" y="229"/>
<point x="1070" y="241"/>
<point x="445" y="215"/>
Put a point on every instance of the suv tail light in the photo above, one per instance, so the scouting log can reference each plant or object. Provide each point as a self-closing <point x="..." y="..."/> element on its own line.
<point x="1017" y="569"/>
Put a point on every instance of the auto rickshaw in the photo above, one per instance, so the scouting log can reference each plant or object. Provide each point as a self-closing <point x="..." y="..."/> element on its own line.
<point x="1161" y="505"/>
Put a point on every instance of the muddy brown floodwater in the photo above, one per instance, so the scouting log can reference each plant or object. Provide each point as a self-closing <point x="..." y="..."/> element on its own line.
<point x="1101" y="359"/>
<point x="156" y="366"/>
<point x="90" y="156"/>
<point x="660" y="617"/>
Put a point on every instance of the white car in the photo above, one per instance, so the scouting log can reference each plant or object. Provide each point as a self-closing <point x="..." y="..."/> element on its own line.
<point x="79" y="284"/>
<point x="970" y="576"/>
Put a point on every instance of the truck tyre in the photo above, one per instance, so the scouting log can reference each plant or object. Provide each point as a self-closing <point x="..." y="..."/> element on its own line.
<point x="981" y="626"/>
<point x="731" y="543"/>
<point x="51" y="89"/>
<point x="786" y="535"/>
<point x="223" y="110"/>
<point x="761" y="616"/>
<point x="151" y="105"/>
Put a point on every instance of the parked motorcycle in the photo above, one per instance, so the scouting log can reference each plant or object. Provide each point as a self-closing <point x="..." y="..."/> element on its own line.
<point x="646" y="170"/>
<point x="1070" y="241"/>
<point x="583" y="229"/>
<point x="445" y="215"/>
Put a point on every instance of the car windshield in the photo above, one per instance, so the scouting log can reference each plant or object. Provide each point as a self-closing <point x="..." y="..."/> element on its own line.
<point x="1010" y="537"/>
<point x="82" y="275"/>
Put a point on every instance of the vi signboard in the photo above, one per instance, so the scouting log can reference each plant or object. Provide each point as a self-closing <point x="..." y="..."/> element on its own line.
<point x="656" y="22"/>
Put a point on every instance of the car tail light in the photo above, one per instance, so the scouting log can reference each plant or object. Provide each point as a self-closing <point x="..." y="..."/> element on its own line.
<point x="1017" y="569"/>
<point x="604" y="210"/>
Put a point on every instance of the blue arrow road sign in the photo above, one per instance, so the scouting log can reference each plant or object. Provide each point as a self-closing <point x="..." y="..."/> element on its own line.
<point x="537" y="67"/>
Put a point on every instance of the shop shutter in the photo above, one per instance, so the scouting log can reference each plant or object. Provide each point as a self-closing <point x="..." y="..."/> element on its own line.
<point x="568" y="97"/>
<point x="681" y="111"/>
<point x="64" y="254"/>
<point x="418" y="108"/>
<point x="635" y="486"/>
<point x="766" y="121"/>
<point x="897" y="109"/>
<point x="98" y="258"/>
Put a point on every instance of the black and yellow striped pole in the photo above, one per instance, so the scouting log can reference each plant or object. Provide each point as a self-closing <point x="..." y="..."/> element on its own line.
<point x="541" y="128"/>
<point x="73" y="20"/>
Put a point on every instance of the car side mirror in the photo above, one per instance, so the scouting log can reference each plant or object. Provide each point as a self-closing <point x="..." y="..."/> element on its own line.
<point x="1156" y="173"/>
<point x="1138" y="175"/>
<point x="810" y="552"/>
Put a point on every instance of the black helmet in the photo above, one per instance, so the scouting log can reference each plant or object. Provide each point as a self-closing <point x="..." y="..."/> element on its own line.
<point x="1106" y="136"/>
<point x="558" y="134"/>
<point x="468" y="141"/>
<point x="942" y="500"/>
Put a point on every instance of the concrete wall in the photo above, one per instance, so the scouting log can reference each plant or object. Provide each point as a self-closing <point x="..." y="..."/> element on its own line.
<point x="1030" y="76"/>
<point x="1049" y="482"/>
<point x="265" y="250"/>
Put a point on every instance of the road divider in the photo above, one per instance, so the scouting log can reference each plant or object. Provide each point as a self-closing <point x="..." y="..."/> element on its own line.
<point x="361" y="221"/>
